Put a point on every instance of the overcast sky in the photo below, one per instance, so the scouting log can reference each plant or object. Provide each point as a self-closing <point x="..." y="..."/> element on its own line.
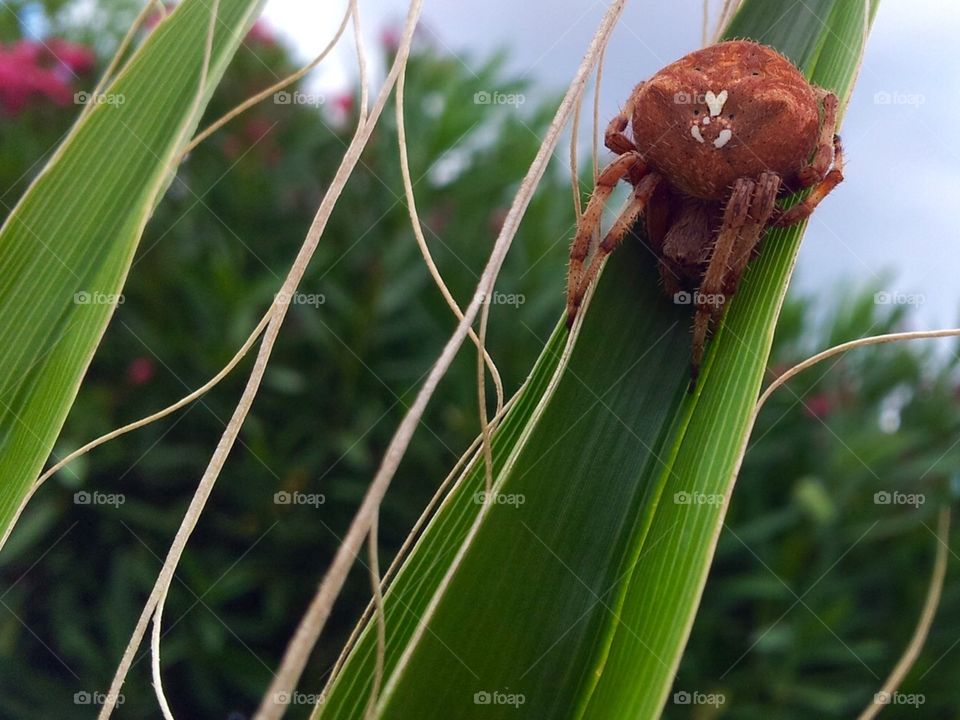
<point x="895" y="212"/>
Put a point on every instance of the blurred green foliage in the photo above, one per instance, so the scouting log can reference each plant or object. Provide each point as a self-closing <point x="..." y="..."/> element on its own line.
<point x="824" y="563"/>
<point x="73" y="576"/>
<point x="359" y="338"/>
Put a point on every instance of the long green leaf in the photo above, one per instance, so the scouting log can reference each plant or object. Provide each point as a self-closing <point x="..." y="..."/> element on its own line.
<point x="573" y="594"/>
<point x="825" y="39"/>
<point x="66" y="248"/>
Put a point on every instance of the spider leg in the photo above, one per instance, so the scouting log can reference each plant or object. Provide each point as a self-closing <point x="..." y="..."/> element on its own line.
<point x="818" y="173"/>
<point x="709" y="299"/>
<point x="627" y="165"/>
<point x="762" y="206"/>
<point x="621" y="226"/>
<point x="817" y="169"/>
<point x="802" y="210"/>
<point x="614" y="138"/>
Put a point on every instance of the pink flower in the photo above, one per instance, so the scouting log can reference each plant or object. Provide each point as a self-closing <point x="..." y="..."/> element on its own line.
<point x="390" y="39"/>
<point x="232" y="146"/>
<point x="29" y="68"/>
<point x="154" y="18"/>
<point x="256" y="127"/>
<point x="344" y="103"/>
<point x="140" y="371"/>
<point x="818" y="406"/>
<point x="260" y="34"/>
<point x="77" y="58"/>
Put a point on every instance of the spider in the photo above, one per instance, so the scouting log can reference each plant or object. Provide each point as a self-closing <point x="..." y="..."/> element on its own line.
<point x="717" y="136"/>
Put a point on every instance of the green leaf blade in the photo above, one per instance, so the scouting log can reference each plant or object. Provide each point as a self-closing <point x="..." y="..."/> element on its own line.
<point x="66" y="248"/>
<point x="581" y="600"/>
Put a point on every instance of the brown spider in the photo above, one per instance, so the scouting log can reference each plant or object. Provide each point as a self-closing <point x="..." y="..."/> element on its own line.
<point x="717" y="135"/>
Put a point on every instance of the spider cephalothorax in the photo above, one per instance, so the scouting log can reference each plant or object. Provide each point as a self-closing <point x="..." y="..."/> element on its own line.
<point x="717" y="135"/>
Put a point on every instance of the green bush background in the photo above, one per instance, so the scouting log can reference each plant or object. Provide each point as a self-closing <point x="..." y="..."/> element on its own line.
<point x="73" y="577"/>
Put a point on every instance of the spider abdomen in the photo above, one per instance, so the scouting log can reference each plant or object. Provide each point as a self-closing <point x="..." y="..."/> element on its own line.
<point x="732" y="110"/>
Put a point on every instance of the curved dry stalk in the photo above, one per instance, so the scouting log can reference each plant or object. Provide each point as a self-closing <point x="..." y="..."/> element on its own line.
<point x="373" y="559"/>
<point x="936" y="580"/>
<point x="596" y="117"/>
<point x="110" y="701"/>
<point x="457" y="474"/>
<point x="508" y="465"/>
<point x="574" y="171"/>
<point x="155" y="664"/>
<point x="313" y="621"/>
<point x="705" y="24"/>
<point x="229" y="436"/>
<point x="276" y="87"/>
<point x="842" y="348"/>
<point x="155" y="644"/>
<point x="920" y="633"/>
<point x="422" y="240"/>
<point x="482" y="403"/>
<point x="595" y="149"/>
<point x="729" y="9"/>
<point x="375" y="586"/>
<point x="136" y="424"/>
<point x="361" y="60"/>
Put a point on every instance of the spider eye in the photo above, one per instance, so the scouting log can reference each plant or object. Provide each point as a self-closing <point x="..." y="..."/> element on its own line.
<point x="696" y="112"/>
<point x="755" y="72"/>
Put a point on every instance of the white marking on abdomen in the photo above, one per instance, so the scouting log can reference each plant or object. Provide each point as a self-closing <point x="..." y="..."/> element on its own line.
<point x="715" y="102"/>
<point x="723" y="138"/>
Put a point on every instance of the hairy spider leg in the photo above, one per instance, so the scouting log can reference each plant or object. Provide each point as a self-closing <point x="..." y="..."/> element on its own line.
<point x="709" y="298"/>
<point x="629" y="164"/>
<point x="762" y="206"/>
<point x="621" y="226"/>
<point x="818" y="173"/>
<point x="614" y="138"/>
